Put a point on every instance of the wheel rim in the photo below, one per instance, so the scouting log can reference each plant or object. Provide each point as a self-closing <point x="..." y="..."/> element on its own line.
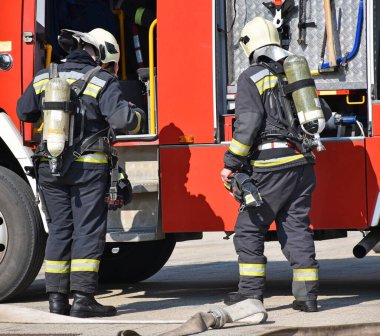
<point x="3" y="237"/>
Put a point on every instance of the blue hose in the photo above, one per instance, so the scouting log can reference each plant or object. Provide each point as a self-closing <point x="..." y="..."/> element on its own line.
<point x="357" y="39"/>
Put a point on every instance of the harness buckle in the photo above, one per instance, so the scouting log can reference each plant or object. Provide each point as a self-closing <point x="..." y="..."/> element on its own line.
<point x="76" y="154"/>
<point x="113" y="193"/>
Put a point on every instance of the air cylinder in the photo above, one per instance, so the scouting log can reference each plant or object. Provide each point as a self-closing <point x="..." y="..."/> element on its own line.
<point x="56" y="121"/>
<point x="305" y="99"/>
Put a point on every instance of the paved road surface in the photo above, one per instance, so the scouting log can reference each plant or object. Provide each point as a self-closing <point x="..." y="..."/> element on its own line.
<point x="197" y="277"/>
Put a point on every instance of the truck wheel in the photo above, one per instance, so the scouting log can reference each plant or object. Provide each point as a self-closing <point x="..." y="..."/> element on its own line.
<point x="22" y="235"/>
<point x="134" y="262"/>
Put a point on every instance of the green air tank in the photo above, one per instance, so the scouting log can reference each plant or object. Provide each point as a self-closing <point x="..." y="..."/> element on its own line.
<point x="305" y="99"/>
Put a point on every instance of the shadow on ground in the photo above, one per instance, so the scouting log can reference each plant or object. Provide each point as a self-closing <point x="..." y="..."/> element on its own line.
<point x="342" y="282"/>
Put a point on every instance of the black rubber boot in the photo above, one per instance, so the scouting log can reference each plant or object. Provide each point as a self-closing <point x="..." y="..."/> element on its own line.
<point x="59" y="303"/>
<point x="85" y="305"/>
<point x="309" y="306"/>
<point x="232" y="298"/>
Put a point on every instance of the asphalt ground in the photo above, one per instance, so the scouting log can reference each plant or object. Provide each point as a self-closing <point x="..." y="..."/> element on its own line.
<point x="197" y="277"/>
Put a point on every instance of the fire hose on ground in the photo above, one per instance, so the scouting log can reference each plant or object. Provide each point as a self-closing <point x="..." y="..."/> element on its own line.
<point x="250" y="309"/>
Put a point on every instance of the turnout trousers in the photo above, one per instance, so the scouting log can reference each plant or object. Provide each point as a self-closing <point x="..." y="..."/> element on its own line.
<point x="77" y="220"/>
<point x="287" y="201"/>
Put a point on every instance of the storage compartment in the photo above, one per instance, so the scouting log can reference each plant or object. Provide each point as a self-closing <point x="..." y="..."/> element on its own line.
<point x="345" y="88"/>
<point x="128" y="21"/>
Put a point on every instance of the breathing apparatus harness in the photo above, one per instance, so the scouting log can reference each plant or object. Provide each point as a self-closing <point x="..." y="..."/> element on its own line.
<point x="288" y="127"/>
<point x="297" y="119"/>
<point x="120" y="192"/>
<point x="76" y="144"/>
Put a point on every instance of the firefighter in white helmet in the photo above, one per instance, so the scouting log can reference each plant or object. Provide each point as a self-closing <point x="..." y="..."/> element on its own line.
<point x="74" y="195"/>
<point x="269" y="144"/>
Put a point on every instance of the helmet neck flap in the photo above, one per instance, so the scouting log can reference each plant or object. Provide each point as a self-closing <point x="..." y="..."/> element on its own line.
<point x="273" y="52"/>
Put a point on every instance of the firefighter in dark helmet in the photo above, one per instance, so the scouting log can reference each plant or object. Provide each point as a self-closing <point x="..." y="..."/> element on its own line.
<point x="279" y="158"/>
<point x="73" y="185"/>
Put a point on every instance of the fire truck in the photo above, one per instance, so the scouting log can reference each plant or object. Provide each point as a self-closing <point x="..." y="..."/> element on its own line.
<point x="188" y="61"/>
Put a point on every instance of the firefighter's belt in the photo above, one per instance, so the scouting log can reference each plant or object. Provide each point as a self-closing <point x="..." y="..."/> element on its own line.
<point x="244" y="191"/>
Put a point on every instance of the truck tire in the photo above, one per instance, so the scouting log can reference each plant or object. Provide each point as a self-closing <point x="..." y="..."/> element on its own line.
<point x="22" y="235"/>
<point x="134" y="262"/>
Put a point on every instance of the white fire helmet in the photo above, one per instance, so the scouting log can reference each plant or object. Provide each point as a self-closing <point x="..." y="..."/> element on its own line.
<point x="103" y="41"/>
<point x="258" y="33"/>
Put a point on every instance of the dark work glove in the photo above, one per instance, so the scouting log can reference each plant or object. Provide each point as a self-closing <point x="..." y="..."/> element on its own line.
<point x="244" y="191"/>
<point x="120" y="192"/>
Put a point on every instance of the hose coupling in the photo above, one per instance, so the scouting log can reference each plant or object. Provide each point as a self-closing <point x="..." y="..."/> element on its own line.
<point x="221" y="317"/>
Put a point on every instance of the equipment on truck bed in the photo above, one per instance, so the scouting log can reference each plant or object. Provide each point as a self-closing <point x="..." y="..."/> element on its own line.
<point x="302" y="24"/>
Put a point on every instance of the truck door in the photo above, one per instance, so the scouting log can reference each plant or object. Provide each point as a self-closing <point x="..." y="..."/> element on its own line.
<point x="186" y="68"/>
<point x="11" y="60"/>
<point x="33" y="50"/>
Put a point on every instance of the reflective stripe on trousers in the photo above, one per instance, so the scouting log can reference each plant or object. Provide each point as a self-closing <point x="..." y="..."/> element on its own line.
<point x="252" y="269"/>
<point x="55" y="266"/>
<point x="85" y="265"/>
<point x="76" y="265"/>
<point x="305" y="274"/>
<point x="305" y="283"/>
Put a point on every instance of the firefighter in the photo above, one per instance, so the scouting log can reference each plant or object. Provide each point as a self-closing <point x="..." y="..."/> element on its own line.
<point x="75" y="200"/>
<point x="281" y="169"/>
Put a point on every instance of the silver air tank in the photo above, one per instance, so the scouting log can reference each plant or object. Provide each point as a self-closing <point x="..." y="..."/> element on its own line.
<point x="56" y="122"/>
<point x="305" y="99"/>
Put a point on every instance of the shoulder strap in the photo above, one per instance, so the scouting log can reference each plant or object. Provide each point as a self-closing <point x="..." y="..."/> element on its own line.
<point x="81" y="83"/>
<point x="79" y="86"/>
<point x="277" y="69"/>
<point x="282" y="123"/>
